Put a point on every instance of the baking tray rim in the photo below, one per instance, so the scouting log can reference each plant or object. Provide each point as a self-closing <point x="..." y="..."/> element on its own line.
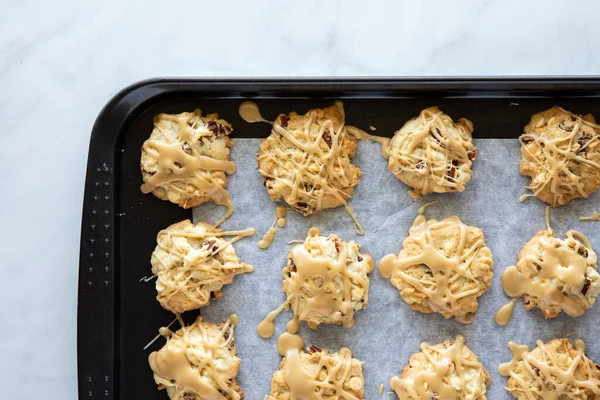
<point x="96" y="367"/>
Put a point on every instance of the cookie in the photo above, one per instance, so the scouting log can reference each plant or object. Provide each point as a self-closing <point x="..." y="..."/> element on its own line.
<point x="432" y="153"/>
<point x="192" y="263"/>
<point x="306" y="160"/>
<point x="561" y="153"/>
<point x="444" y="267"/>
<point x="198" y="362"/>
<point x="555" y="275"/>
<point x="325" y="280"/>
<point x="316" y="373"/>
<point x="448" y="370"/>
<point x="553" y="370"/>
<point x="186" y="159"/>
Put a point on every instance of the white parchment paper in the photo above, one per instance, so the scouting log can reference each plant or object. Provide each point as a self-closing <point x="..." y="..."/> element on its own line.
<point x="388" y="332"/>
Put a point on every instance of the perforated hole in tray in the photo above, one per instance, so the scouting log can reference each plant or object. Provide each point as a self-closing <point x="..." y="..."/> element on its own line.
<point x="97" y="271"/>
<point x="99" y="245"/>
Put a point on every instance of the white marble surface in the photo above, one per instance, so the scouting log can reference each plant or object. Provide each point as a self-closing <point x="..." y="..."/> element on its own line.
<point x="61" y="61"/>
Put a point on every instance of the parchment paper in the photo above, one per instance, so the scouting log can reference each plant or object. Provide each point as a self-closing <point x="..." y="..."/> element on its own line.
<point x="388" y="332"/>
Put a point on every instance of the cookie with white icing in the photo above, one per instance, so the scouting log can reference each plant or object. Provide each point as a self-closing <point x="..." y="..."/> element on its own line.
<point x="315" y="373"/>
<point x="306" y="160"/>
<point x="448" y="370"/>
<point x="555" y="275"/>
<point x="444" y="267"/>
<point x="198" y="362"/>
<point x="192" y="263"/>
<point x="186" y="159"/>
<point x="432" y="153"/>
<point x="561" y="153"/>
<point x="553" y="370"/>
<point x="325" y="280"/>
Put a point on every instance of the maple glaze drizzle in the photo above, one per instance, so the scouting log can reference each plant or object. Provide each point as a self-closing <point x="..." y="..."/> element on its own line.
<point x="318" y="167"/>
<point x="293" y="325"/>
<point x="561" y="272"/>
<point x="180" y="162"/>
<point x="314" y="280"/>
<point x="280" y="221"/>
<point x="594" y="217"/>
<point x="250" y="112"/>
<point x="551" y="380"/>
<point x="199" y="266"/>
<point x="442" y="295"/>
<point x="360" y="134"/>
<point x="559" y="154"/>
<point x="187" y="358"/>
<point x="525" y="197"/>
<point x="439" y="140"/>
<point x="435" y="382"/>
<point x="266" y="327"/>
<point x="504" y="314"/>
<point x="328" y="376"/>
<point x="517" y="353"/>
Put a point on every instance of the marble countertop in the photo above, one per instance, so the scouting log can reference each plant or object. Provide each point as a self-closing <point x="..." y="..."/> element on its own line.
<point x="60" y="62"/>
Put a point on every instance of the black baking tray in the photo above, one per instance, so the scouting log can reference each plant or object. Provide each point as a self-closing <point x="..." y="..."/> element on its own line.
<point x="119" y="223"/>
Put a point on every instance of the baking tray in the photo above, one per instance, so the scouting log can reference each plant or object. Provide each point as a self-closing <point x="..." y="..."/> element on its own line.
<point x="119" y="223"/>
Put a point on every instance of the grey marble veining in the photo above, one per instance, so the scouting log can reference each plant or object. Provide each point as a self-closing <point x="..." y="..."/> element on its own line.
<point x="61" y="61"/>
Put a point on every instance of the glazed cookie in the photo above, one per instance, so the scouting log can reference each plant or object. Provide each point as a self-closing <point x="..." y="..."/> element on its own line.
<point x="448" y="370"/>
<point x="186" y="159"/>
<point x="432" y="153"/>
<point x="553" y="370"/>
<point x="306" y="160"/>
<point x="192" y="263"/>
<point x="198" y="362"/>
<point x="325" y="282"/>
<point x="444" y="267"/>
<point x="555" y="275"/>
<point x="315" y="374"/>
<point x="561" y="153"/>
